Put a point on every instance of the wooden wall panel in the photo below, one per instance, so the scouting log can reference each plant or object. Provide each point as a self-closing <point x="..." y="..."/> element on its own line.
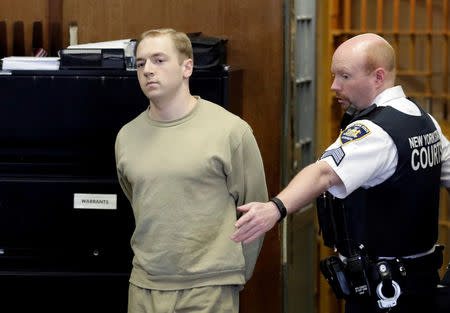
<point x="255" y="45"/>
<point x="55" y="12"/>
<point x="27" y="11"/>
<point x="254" y="30"/>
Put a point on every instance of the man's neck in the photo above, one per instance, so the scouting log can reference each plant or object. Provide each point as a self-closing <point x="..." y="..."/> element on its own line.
<point x="171" y="109"/>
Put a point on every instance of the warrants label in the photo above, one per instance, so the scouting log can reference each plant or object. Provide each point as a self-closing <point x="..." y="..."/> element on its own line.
<point x="94" y="201"/>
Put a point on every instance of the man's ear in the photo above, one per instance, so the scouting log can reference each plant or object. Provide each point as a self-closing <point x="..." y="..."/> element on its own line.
<point x="188" y="67"/>
<point x="380" y="76"/>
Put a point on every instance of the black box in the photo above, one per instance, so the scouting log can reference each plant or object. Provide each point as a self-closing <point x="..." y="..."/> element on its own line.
<point x="92" y="59"/>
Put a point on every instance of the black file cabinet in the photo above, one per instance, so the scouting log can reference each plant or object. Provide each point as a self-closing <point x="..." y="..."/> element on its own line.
<point x="57" y="133"/>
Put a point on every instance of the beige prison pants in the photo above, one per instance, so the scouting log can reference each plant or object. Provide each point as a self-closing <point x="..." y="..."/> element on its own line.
<point x="210" y="299"/>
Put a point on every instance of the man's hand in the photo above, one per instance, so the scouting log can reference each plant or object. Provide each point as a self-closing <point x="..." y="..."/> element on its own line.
<point x="257" y="220"/>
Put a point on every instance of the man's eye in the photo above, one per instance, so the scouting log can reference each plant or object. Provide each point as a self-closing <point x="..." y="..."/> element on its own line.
<point x="345" y="76"/>
<point x="140" y="64"/>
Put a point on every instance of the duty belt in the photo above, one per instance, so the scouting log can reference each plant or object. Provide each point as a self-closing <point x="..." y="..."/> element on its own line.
<point x="360" y="275"/>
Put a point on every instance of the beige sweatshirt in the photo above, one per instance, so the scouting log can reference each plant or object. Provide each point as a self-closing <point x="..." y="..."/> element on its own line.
<point x="184" y="179"/>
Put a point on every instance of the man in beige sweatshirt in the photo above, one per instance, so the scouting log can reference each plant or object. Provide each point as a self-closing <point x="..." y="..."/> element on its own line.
<point x="185" y="164"/>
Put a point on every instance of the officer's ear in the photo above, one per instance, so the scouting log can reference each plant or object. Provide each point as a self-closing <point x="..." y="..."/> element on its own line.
<point x="380" y="76"/>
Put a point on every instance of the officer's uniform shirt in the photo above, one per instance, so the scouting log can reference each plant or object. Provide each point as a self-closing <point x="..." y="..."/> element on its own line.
<point x="364" y="155"/>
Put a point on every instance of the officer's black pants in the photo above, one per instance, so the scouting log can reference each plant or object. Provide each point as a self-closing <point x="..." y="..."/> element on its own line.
<point x="418" y="295"/>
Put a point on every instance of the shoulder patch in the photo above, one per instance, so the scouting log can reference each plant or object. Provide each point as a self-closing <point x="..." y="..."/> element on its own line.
<point x="337" y="155"/>
<point x="354" y="132"/>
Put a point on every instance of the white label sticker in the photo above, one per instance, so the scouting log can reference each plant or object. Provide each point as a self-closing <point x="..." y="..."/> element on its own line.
<point x="94" y="201"/>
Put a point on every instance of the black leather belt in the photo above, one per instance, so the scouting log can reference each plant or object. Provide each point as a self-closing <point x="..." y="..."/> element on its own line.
<point x="430" y="261"/>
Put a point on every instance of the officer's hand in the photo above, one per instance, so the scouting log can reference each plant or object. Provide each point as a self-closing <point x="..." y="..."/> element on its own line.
<point x="257" y="220"/>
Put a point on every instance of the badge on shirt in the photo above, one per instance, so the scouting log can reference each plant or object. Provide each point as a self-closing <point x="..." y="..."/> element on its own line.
<point x="354" y="132"/>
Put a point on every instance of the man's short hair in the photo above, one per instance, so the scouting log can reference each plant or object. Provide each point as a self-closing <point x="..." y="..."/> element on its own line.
<point x="180" y="40"/>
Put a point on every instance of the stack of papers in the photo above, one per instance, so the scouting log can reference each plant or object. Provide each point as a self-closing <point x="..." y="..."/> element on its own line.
<point x="31" y="63"/>
<point x="114" y="44"/>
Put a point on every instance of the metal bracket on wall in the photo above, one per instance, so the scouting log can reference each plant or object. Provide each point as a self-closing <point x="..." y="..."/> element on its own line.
<point x="298" y="152"/>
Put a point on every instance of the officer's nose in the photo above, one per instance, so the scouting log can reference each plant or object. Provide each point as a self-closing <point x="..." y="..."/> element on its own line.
<point x="335" y="86"/>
